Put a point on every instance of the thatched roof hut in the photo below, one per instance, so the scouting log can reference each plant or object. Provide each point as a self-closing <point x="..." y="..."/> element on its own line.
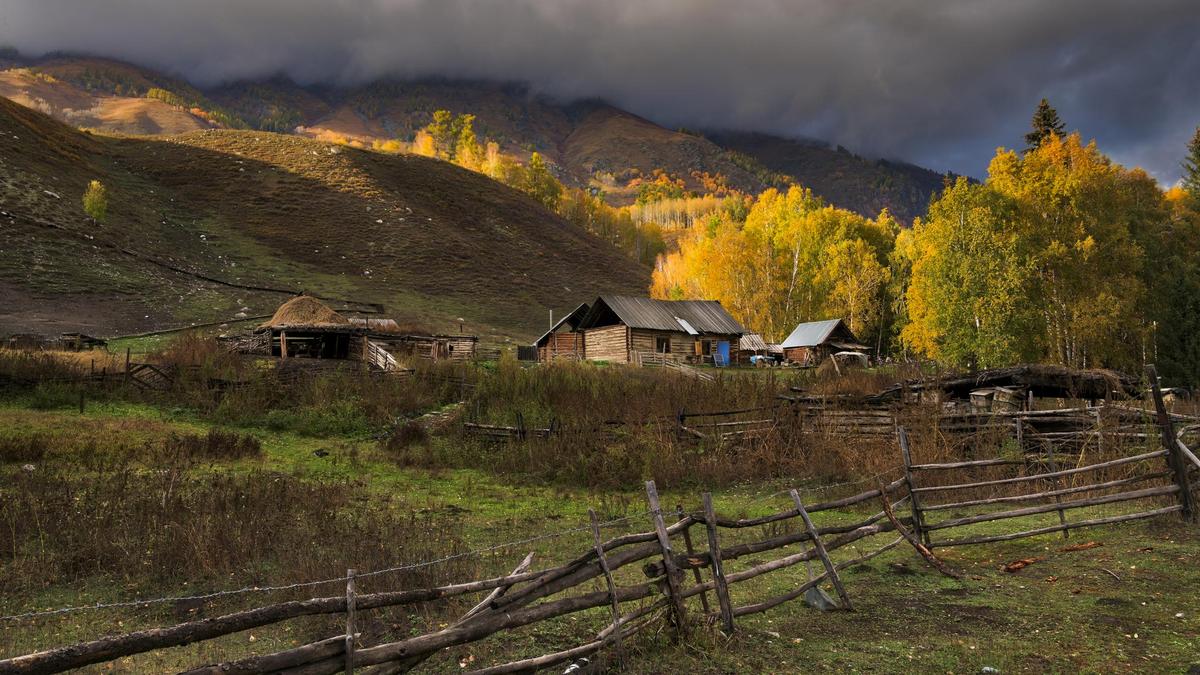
<point x="305" y="311"/>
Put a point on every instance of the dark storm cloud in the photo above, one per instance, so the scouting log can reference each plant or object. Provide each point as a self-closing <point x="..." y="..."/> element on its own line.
<point x="938" y="83"/>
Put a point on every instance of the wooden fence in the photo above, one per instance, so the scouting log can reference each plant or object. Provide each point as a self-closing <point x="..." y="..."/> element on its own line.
<point x="677" y="577"/>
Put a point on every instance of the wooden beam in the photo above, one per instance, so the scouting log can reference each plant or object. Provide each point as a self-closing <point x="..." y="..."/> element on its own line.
<point x="718" y="570"/>
<point x="1042" y="476"/>
<point x="598" y="544"/>
<point x="1048" y="530"/>
<point x="914" y="501"/>
<point x="691" y="550"/>
<point x="672" y="572"/>
<point x="830" y="570"/>
<point x="1169" y="441"/>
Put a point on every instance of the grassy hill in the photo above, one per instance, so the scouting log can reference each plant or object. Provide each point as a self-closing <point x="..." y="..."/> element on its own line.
<point x="429" y="240"/>
<point x="588" y="143"/>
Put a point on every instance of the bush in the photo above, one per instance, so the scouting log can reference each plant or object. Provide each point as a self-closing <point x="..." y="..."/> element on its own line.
<point x="53" y="396"/>
<point x="23" y="448"/>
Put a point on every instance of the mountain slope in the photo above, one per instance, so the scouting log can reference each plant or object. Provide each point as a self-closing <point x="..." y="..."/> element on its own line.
<point x="431" y="241"/>
<point x="839" y="176"/>
<point x="588" y="143"/>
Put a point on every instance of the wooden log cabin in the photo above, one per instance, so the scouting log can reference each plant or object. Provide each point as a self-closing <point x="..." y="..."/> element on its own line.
<point x="625" y="329"/>
<point x="812" y="342"/>
<point x="563" y="340"/>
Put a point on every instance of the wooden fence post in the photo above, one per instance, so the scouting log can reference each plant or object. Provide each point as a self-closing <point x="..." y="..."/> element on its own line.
<point x="913" y="502"/>
<point x="350" y="611"/>
<point x="687" y="540"/>
<point x="672" y="572"/>
<point x="1062" y="516"/>
<point x="1174" y="457"/>
<point x="127" y="355"/>
<point x="598" y="543"/>
<point x="718" y="568"/>
<point x="830" y="570"/>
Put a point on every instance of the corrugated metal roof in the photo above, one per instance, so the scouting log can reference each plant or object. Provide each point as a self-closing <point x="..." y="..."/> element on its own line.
<point x="752" y="342"/>
<point x="705" y="316"/>
<point x="811" y="334"/>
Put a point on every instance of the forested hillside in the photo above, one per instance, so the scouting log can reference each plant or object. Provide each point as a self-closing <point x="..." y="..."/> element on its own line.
<point x="1061" y="256"/>
<point x="587" y="144"/>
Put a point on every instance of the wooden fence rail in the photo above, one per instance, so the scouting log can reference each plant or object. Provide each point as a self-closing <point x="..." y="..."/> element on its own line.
<point x="674" y="573"/>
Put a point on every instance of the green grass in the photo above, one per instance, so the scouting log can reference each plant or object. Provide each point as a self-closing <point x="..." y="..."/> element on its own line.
<point x="1064" y="613"/>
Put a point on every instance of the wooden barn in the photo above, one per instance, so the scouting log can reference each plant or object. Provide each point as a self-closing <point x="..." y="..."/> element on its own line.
<point x="389" y="334"/>
<point x="563" y="340"/>
<point x="626" y="329"/>
<point x="304" y="327"/>
<point x="813" y="342"/>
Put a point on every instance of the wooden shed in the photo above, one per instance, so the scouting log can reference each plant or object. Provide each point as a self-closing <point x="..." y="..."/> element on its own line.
<point x="563" y="340"/>
<point x="304" y="327"/>
<point x="626" y="329"/>
<point x="811" y="343"/>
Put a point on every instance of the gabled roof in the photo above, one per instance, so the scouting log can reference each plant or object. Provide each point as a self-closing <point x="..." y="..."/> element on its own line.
<point x="815" y="333"/>
<point x="701" y="316"/>
<point x="752" y="342"/>
<point x="572" y="319"/>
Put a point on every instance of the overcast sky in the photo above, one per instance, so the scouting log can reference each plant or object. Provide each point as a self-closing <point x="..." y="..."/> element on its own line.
<point x="938" y="83"/>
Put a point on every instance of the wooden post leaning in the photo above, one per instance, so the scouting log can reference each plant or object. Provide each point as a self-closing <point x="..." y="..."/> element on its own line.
<point x="830" y="570"/>
<point x="1056" y="484"/>
<point x="350" y="612"/>
<point x="669" y="566"/>
<point x="913" y="501"/>
<point x="598" y="544"/>
<point x="1175" y="459"/>
<point x="718" y="568"/>
<point x="691" y="551"/>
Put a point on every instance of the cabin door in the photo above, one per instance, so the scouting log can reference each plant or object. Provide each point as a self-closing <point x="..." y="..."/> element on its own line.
<point x="721" y="356"/>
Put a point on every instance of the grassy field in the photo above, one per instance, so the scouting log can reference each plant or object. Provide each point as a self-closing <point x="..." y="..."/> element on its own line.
<point x="173" y="494"/>
<point x="138" y="498"/>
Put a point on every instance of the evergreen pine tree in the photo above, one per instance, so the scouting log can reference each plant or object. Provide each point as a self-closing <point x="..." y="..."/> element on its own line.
<point x="1045" y="122"/>
<point x="1191" y="167"/>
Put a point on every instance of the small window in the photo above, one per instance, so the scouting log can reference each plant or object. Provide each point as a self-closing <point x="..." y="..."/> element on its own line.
<point x="662" y="345"/>
<point x="706" y="347"/>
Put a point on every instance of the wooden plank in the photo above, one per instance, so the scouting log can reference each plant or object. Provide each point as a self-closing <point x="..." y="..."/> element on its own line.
<point x="291" y="658"/>
<point x="1042" y="476"/>
<point x="1188" y="454"/>
<point x="1049" y="530"/>
<point x="1047" y="508"/>
<point x="598" y="544"/>
<point x="350" y="611"/>
<point x="1169" y="441"/>
<point x="691" y="551"/>
<point x="1062" y="516"/>
<point x="672" y="572"/>
<point x="914" y="501"/>
<point x="718" y="570"/>
<point x="799" y="592"/>
<point x="963" y="465"/>
<point x="1045" y="495"/>
<point x="830" y="570"/>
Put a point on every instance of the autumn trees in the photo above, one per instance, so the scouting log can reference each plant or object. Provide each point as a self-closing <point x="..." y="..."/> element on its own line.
<point x="1060" y="256"/>
<point x="1046" y="260"/>
<point x="793" y="258"/>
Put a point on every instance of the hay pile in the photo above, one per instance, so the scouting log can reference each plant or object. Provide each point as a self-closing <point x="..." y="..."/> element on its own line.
<point x="303" y="310"/>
